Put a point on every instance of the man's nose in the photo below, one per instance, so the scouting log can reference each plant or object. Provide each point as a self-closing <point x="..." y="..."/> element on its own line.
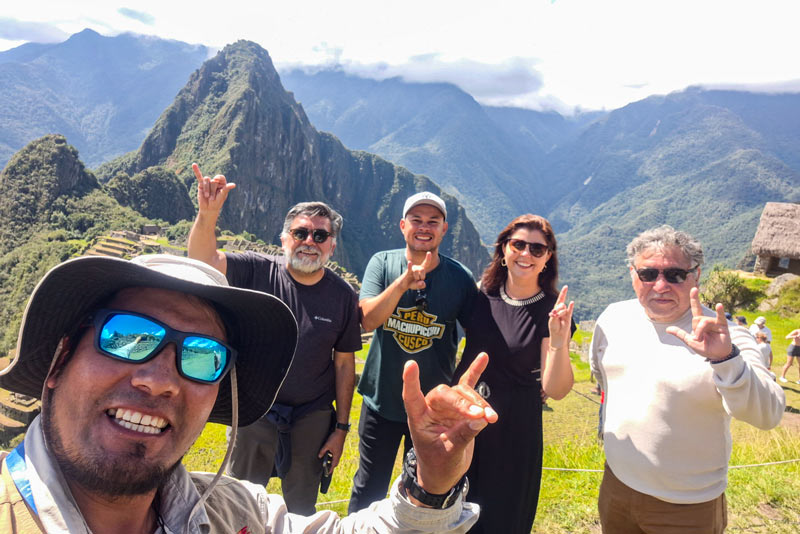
<point x="159" y="376"/>
<point x="661" y="285"/>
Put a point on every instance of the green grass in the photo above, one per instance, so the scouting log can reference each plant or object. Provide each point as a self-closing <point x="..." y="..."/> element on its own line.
<point x="760" y="499"/>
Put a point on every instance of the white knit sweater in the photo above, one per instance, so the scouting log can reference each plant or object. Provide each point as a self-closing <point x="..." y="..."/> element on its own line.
<point x="667" y="410"/>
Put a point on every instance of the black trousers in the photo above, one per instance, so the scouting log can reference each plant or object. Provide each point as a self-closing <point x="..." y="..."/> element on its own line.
<point x="379" y="439"/>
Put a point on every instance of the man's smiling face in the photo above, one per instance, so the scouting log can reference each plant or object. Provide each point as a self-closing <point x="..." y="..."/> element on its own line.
<point x="308" y="256"/>
<point x="423" y="228"/>
<point x="119" y="428"/>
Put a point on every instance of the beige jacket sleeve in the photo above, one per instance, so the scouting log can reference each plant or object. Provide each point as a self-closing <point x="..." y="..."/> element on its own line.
<point x="394" y="515"/>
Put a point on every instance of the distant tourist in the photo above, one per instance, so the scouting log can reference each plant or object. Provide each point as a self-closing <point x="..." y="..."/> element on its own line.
<point x="792" y="353"/>
<point x="760" y="325"/>
<point x="741" y="320"/>
<point x="302" y="427"/>
<point x="765" y="349"/>
<point x="524" y="324"/>
<point x="669" y="401"/>
<point x="412" y="298"/>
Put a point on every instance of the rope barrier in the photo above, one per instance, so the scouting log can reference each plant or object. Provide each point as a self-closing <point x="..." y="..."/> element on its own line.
<point x="585" y="396"/>
<point x="576" y="470"/>
<point x="767" y="463"/>
<point x="326" y="503"/>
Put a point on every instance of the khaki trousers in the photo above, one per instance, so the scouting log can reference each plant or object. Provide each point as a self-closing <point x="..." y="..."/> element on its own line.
<point x="626" y="511"/>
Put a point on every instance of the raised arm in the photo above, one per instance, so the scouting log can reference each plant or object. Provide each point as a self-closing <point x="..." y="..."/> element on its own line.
<point x="375" y="310"/>
<point x="443" y="425"/>
<point x="211" y="195"/>
<point x="557" y="377"/>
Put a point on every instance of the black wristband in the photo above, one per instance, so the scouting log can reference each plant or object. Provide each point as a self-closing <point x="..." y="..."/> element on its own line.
<point x="412" y="488"/>
<point x="734" y="353"/>
<point x="343" y="426"/>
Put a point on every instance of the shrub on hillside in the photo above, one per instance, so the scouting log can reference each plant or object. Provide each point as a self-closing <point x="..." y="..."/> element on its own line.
<point x="726" y="287"/>
<point x="789" y="299"/>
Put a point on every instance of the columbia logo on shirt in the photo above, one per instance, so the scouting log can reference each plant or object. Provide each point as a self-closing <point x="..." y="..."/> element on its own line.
<point x="325" y="319"/>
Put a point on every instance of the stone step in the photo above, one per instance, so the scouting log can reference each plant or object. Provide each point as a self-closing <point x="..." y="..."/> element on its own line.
<point x="19" y="408"/>
<point x="103" y="251"/>
<point x="122" y="247"/>
<point x="9" y="423"/>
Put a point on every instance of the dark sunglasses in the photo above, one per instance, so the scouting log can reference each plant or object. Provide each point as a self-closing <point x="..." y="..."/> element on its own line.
<point x="318" y="235"/>
<point x="537" y="249"/>
<point x="136" y="338"/>
<point x="673" y="275"/>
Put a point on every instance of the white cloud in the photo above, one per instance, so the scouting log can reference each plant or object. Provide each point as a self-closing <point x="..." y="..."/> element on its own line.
<point x="564" y="53"/>
<point x="23" y="31"/>
<point x="142" y="17"/>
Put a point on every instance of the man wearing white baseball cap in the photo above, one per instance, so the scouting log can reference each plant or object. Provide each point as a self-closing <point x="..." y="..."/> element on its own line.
<point x="760" y="325"/>
<point x="412" y="298"/>
<point x="132" y="358"/>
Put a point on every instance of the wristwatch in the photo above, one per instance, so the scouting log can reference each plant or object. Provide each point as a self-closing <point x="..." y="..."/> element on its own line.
<point x="734" y="353"/>
<point x="343" y="426"/>
<point x="412" y="488"/>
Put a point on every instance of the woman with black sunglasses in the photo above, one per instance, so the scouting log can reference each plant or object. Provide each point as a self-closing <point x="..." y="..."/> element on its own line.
<point x="524" y="324"/>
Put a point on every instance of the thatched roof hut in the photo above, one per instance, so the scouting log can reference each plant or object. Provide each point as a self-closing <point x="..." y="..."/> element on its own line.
<point x="777" y="239"/>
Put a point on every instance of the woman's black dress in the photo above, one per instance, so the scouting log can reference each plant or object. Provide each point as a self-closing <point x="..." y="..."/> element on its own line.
<point x="506" y="469"/>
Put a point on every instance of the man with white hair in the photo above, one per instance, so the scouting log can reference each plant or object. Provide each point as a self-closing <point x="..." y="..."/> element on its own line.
<point x="301" y="428"/>
<point x="132" y="358"/>
<point x="674" y="373"/>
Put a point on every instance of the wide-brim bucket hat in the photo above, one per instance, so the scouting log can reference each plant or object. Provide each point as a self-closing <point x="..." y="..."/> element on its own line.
<point x="260" y="327"/>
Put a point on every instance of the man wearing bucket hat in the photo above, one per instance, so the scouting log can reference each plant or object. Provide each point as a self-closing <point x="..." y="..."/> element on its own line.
<point x="301" y="428"/>
<point x="131" y="358"/>
<point x="412" y="298"/>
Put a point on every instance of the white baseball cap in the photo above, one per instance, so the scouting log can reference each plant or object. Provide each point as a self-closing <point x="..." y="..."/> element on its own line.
<point x="425" y="197"/>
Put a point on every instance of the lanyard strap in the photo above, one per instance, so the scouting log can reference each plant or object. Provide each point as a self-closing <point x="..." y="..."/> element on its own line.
<point x="18" y="470"/>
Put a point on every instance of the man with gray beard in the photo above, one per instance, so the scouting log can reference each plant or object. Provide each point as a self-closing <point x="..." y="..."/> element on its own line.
<point x="302" y="426"/>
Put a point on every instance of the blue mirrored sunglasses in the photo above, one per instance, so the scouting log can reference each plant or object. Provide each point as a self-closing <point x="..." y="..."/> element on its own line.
<point x="136" y="338"/>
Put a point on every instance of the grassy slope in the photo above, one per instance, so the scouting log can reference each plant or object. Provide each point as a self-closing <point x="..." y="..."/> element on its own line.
<point x="760" y="499"/>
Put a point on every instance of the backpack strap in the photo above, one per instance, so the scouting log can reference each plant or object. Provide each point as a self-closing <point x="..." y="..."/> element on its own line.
<point x="15" y="515"/>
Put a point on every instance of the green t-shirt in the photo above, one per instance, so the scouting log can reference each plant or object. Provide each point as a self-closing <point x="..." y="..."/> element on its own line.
<point x="427" y="336"/>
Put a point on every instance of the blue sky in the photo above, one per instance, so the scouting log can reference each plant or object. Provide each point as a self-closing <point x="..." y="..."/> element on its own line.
<point x="541" y="54"/>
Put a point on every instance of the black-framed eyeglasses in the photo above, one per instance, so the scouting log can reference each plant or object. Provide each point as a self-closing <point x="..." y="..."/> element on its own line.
<point x="673" y="275"/>
<point x="136" y="338"/>
<point x="537" y="249"/>
<point x="318" y="234"/>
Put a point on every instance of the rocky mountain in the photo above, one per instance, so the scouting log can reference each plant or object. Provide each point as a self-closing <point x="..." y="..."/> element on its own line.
<point x="235" y="118"/>
<point x="52" y="208"/>
<point x="102" y="93"/>
<point x="154" y="192"/>
<point x="705" y="161"/>
<point x="702" y="161"/>
<point x="489" y="158"/>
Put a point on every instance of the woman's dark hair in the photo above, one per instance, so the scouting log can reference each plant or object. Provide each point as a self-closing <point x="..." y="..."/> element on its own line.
<point x="496" y="274"/>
